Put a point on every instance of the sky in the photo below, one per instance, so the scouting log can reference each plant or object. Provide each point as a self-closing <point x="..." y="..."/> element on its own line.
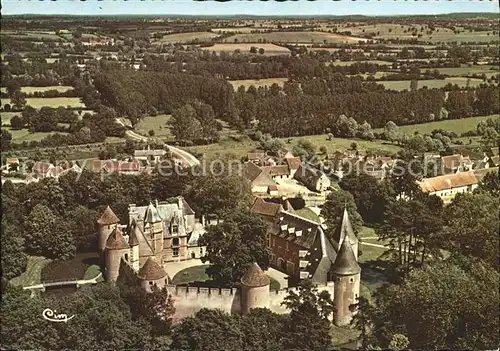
<point x="238" y="7"/>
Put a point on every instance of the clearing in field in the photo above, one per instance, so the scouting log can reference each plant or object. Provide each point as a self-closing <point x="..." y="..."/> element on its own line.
<point x="349" y="63"/>
<point x="186" y="37"/>
<point x="475" y="69"/>
<point x="156" y="123"/>
<point x="269" y="49"/>
<point x="257" y="82"/>
<point x="18" y="136"/>
<point x="293" y="37"/>
<point x="29" y="90"/>
<point x="401" y="85"/>
<point x="457" y="126"/>
<point x="55" y="102"/>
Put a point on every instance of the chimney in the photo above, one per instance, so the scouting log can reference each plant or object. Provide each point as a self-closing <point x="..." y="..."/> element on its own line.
<point x="203" y="221"/>
<point x="180" y="202"/>
<point x="156" y="203"/>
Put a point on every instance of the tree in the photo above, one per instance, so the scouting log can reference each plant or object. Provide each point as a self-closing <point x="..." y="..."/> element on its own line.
<point x="185" y="126"/>
<point x="451" y="304"/>
<point x="333" y="211"/>
<point x="490" y="183"/>
<point x="472" y="226"/>
<point x="82" y="223"/>
<point x="12" y="87"/>
<point x="6" y="139"/>
<point x="261" y="51"/>
<point x="365" y="131"/>
<point x="48" y="234"/>
<point x="151" y="133"/>
<point x="391" y="131"/>
<point x="268" y="143"/>
<point x="304" y="148"/>
<point x="14" y="260"/>
<point x="207" y="330"/>
<point x="263" y="329"/>
<point x="345" y="127"/>
<point x="16" y="122"/>
<point x="234" y="244"/>
<point x="490" y="137"/>
<point x="363" y="319"/>
<point x="309" y="327"/>
<point x="155" y="307"/>
<point x="17" y="100"/>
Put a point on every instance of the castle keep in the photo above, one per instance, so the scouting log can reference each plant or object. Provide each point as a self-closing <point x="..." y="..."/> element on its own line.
<point x="159" y="234"/>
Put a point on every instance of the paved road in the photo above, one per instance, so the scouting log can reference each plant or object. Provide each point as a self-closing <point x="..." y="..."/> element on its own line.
<point x="172" y="268"/>
<point x="184" y="155"/>
<point x="279" y="276"/>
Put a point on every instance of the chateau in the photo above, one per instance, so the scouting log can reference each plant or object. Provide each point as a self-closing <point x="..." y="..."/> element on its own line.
<point x="159" y="234"/>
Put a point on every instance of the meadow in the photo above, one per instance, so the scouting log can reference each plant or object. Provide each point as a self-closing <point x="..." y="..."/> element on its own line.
<point x="474" y="69"/>
<point x="157" y="123"/>
<point x="269" y="49"/>
<point x="55" y="102"/>
<point x="186" y="37"/>
<point x="293" y="37"/>
<point x="257" y="82"/>
<point x="30" y="90"/>
<point x="401" y="85"/>
<point x="457" y="126"/>
<point x="18" y="136"/>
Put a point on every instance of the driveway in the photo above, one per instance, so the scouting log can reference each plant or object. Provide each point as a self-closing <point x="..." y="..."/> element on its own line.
<point x="277" y="275"/>
<point x="172" y="268"/>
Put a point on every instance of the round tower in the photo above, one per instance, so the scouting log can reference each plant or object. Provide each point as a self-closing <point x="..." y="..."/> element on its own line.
<point x="116" y="249"/>
<point x="254" y="289"/>
<point x="347" y="275"/>
<point x="106" y="224"/>
<point x="151" y="273"/>
<point x="134" y="246"/>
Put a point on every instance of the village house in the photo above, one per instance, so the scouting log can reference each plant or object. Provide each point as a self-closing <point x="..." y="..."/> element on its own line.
<point x="312" y="178"/>
<point x="455" y="163"/>
<point x="11" y="164"/>
<point x="148" y="156"/>
<point x="448" y="186"/>
<point x="49" y="170"/>
<point x="260" y="180"/>
<point x="114" y="166"/>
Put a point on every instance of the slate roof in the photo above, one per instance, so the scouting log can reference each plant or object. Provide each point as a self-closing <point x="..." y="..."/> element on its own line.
<point x="308" y="175"/>
<point x="326" y="257"/>
<point x="152" y="215"/>
<point x="151" y="271"/>
<point x="132" y="235"/>
<point x="108" y="217"/>
<point x="344" y="230"/>
<point x="447" y="181"/>
<point x="255" y="277"/>
<point x="276" y="170"/>
<point x="116" y="240"/>
<point x="293" y="162"/>
<point x="265" y="208"/>
<point x="303" y="233"/>
<point x="345" y="262"/>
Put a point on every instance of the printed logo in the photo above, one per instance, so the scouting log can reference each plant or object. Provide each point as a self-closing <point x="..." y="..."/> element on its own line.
<point x="52" y="316"/>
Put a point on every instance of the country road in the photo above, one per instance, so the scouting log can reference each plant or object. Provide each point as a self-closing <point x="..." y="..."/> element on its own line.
<point x="184" y="155"/>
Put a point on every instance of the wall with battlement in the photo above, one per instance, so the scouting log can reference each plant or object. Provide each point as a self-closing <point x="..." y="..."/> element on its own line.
<point x="276" y="297"/>
<point x="189" y="300"/>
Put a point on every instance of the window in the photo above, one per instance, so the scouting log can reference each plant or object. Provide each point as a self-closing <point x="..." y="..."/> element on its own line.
<point x="126" y="257"/>
<point x="351" y="280"/>
<point x="175" y="229"/>
<point x="175" y="242"/>
<point x="151" y="283"/>
<point x="175" y="252"/>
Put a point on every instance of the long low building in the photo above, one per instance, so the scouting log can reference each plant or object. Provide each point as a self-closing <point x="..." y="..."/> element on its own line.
<point x="449" y="185"/>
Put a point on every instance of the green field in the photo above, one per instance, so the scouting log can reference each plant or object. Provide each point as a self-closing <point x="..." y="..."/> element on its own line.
<point x="18" y="136"/>
<point x="457" y="126"/>
<point x="55" y="102"/>
<point x="401" y="85"/>
<point x="33" y="273"/>
<point x="308" y="213"/>
<point x="257" y="82"/>
<point x="6" y="116"/>
<point x="292" y="37"/>
<point x="349" y="63"/>
<point x="28" y="90"/>
<point x="158" y="124"/>
<point x="186" y="37"/>
<point x="474" y="69"/>
<point x="269" y="49"/>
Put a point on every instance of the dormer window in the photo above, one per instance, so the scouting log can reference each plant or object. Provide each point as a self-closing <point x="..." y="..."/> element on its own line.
<point x="175" y="229"/>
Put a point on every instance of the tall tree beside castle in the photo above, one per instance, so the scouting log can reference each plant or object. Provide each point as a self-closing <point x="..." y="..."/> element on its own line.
<point x="233" y="245"/>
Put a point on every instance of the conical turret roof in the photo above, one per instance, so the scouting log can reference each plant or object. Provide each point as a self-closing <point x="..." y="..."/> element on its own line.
<point x="108" y="217"/>
<point x="255" y="277"/>
<point x="152" y="215"/>
<point x="116" y="241"/>
<point x="132" y="235"/>
<point x="345" y="262"/>
<point x="344" y="230"/>
<point x="151" y="271"/>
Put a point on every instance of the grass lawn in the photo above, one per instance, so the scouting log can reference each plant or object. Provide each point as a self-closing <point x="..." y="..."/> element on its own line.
<point x="458" y="126"/>
<point x="465" y="70"/>
<point x="6" y="117"/>
<point x="55" y="102"/>
<point x="33" y="273"/>
<point x="342" y="144"/>
<point x="186" y="37"/>
<point x="92" y="272"/>
<point x="269" y="49"/>
<point x="198" y="274"/>
<point x="308" y="214"/>
<point x="235" y="148"/>
<point x="156" y="123"/>
<point x="60" y="88"/>
<point x="342" y="335"/>
<point x="401" y="85"/>
<point x="74" y="268"/>
<point x="21" y="135"/>
<point x="257" y="82"/>
<point x="371" y="253"/>
<point x="293" y="37"/>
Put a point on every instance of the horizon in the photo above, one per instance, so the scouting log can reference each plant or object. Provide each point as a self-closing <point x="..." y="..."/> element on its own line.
<point x="177" y="8"/>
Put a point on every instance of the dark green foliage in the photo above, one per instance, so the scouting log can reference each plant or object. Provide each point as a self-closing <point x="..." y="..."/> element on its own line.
<point x="233" y="245"/>
<point x="333" y="210"/>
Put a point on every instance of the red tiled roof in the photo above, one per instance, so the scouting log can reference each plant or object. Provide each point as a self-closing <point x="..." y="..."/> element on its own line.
<point x="108" y="217"/>
<point x="255" y="277"/>
<point x="116" y="241"/>
<point x="448" y="181"/>
<point x="151" y="271"/>
<point x="265" y="208"/>
<point x="115" y="166"/>
<point x="276" y="170"/>
<point x="293" y="162"/>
